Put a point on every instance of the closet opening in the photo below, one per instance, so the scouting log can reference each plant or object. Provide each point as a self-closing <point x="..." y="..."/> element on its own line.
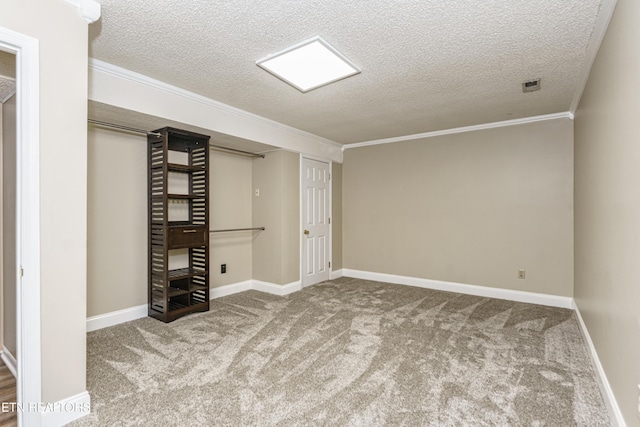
<point x="8" y="258"/>
<point x="24" y="53"/>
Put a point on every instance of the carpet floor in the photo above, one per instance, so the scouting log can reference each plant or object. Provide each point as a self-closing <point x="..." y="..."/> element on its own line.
<point x="347" y="352"/>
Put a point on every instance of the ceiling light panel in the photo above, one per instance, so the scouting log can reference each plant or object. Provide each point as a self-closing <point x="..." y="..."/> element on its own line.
<point x="309" y="64"/>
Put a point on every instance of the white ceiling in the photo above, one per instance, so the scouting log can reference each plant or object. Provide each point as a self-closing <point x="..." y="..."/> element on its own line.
<point x="426" y="65"/>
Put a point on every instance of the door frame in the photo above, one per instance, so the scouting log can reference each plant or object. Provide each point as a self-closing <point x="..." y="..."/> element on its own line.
<point x="330" y="203"/>
<point x="29" y="378"/>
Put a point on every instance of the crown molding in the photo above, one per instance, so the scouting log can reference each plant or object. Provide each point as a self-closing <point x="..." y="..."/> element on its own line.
<point x="108" y="68"/>
<point x="602" y="23"/>
<point x="89" y="9"/>
<point x="505" y="123"/>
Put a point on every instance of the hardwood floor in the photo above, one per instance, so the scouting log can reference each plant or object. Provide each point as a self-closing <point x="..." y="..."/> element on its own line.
<point x="7" y="394"/>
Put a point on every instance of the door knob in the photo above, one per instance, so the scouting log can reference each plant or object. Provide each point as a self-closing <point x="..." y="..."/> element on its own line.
<point x="306" y="231"/>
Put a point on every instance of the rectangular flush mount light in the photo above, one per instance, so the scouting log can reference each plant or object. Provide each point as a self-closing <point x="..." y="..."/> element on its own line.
<point x="309" y="64"/>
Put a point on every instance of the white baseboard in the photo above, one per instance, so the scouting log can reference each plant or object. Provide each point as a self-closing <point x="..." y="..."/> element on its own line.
<point x="274" y="289"/>
<point x="133" y="313"/>
<point x="483" y="291"/>
<point x="10" y="361"/>
<point x="126" y="315"/>
<point x="116" y="317"/>
<point x="67" y="410"/>
<point x="234" y="288"/>
<point x="603" y="382"/>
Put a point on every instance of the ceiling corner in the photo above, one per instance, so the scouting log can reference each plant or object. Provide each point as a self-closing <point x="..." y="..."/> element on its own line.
<point x="604" y="17"/>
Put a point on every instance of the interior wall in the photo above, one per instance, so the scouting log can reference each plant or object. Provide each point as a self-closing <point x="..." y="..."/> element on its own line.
<point x="290" y="231"/>
<point x="276" y="251"/>
<point x="9" y="226"/>
<point x="470" y="208"/>
<point x="230" y="207"/>
<point x="63" y="190"/>
<point x="336" y="216"/>
<point x="607" y="206"/>
<point x="117" y="220"/>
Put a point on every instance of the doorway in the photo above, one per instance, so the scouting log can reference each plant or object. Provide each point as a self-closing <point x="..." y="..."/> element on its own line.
<point x="8" y="327"/>
<point x="27" y="220"/>
<point x="316" y="221"/>
<point x="8" y="126"/>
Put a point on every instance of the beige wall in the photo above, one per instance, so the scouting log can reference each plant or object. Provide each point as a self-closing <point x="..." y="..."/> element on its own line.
<point x="336" y="216"/>
<point x="276" y="251"/>
<point x="290" y="233"/>
<point x="607" y="206"/>
<point x="117" y="220"/>
<point x="63" y="177"/>
<point x="469" y="208"/>
<point x="230" y="207"/>
<point x="9" y="225"/>
<point x="266" y="212"/>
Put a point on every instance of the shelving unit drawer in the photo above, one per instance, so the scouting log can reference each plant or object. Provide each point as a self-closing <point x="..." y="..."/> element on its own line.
<point x="188" y="236"/>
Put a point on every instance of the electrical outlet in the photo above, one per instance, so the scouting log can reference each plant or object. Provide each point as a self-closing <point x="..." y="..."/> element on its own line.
<point x="257" y="192"/>
<point x="521" y="274"/>
<point x="223" y="268"/>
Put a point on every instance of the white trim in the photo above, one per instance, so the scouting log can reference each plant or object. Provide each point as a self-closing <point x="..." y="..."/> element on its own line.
<point x="89" y="9"/>
<point x="10" y="361"/>
<point x="58" y="413"/>
<point x="602" y="23"/>
<point x="300" y="138"/>
<point x="116" y="317"/>
<point x="234" y="288"/>
<point x="603" y="382"/>
<point x="29" y="380"/>
<point x="493" y="125"/>
<point x="483" y="291"/>
<point x="316" y="158"/>
<point x="336" y="274"/>
<point x="272" y="288"/>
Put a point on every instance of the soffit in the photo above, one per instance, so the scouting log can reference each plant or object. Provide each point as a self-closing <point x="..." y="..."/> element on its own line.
<point x="133" y="119"/>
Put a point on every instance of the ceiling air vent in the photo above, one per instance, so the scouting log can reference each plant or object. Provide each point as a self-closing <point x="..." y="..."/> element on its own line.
<point x="531" y="86"/>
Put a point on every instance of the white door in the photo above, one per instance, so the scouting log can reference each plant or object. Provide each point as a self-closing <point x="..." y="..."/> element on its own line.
<point x="316" y="221"/>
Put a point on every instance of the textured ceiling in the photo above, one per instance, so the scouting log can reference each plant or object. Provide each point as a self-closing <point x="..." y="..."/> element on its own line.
<point x="110" y="114"/>
<point x="426" y="65"/>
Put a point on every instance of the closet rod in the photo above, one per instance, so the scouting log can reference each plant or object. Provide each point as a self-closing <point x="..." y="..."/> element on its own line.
<point x="247" y="153"/>
<point x="237" y="229"/>
<point x="146" y="132"/>
<point x="127" y="128"/>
